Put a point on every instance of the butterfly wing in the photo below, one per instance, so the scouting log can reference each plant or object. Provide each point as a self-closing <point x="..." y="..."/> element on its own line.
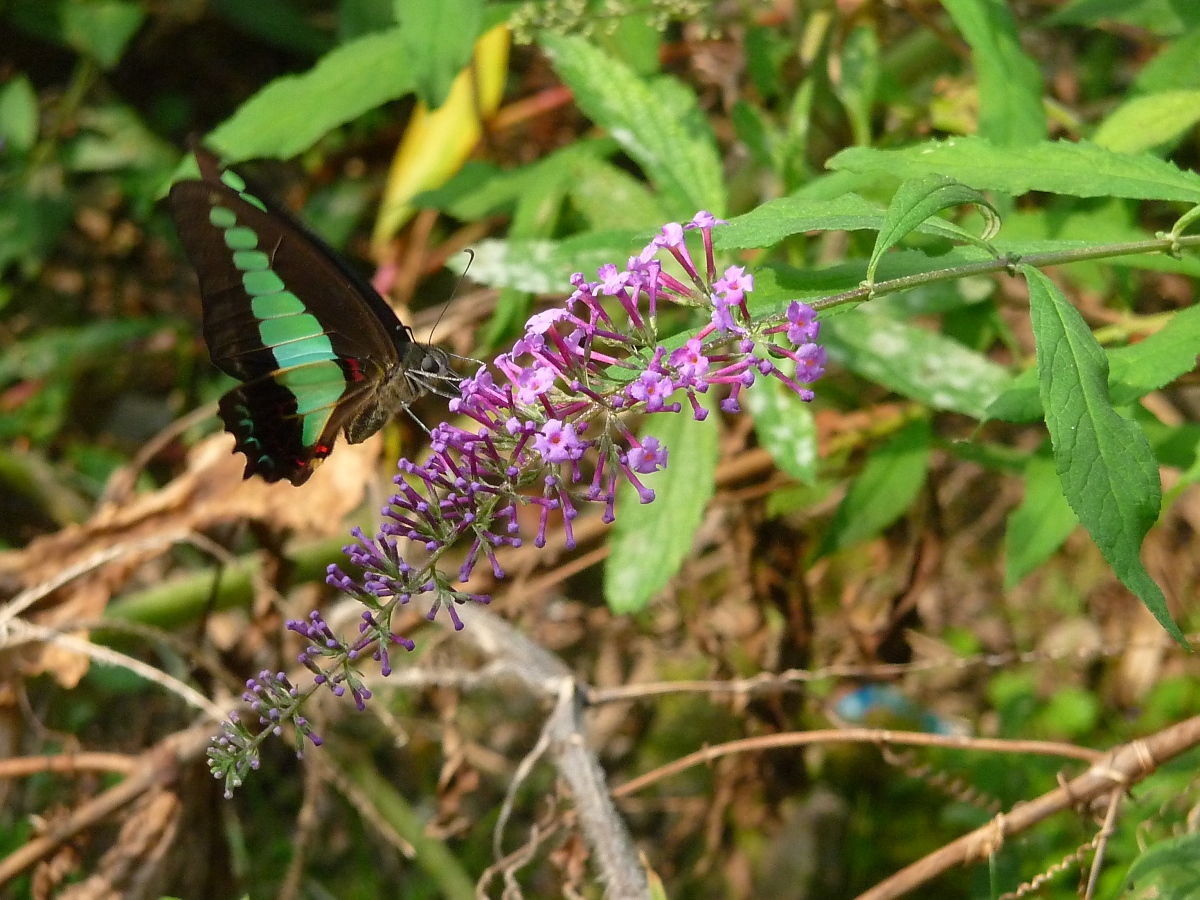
<point x="310" y="338"/>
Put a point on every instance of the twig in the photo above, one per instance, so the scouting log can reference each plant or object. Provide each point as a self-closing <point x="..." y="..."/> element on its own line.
<point x="67" y="764"/>
<point x="613" y="850"/>
<point x="1124" y="765"/>
<point x="856" y="735"/>
<point x="1110" y="824"/>
<point x="21" y="632"/>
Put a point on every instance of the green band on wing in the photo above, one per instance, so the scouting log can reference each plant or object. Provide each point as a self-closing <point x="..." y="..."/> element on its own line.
<point x="234" y="180"/>
<point x="222" y="217"/>
<point x="298" y="353"/>
<point x="314" y="424"/>
<point x="262" y="282"/>
<point x="272" y="306"/>
<point x="254" y="201"/>
<point x="316" y="386"/>
<point x="240" y="239"/>
<point x="291" y="328"/>
<point x="251" y="260"/>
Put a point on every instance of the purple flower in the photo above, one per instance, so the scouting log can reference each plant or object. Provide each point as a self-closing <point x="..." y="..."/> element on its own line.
<point x="653" y="389"/>
<point x="532" y="382"/>
<point x="557" y="442"/>
<point x="810" y="363"/>
<point x="804" y="325"/>
<point x="649" y="456"/>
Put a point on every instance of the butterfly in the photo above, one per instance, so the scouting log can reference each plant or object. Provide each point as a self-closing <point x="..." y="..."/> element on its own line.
<point x="317" y="349"/>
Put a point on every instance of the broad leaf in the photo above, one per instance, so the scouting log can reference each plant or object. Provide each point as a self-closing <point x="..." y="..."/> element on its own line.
<point x="650" y="541"/>
<point x="1108" y="471"/>
<point x="914" y="362"/>
<point x="785" y="427"/>
<point x="796" y="214"/>
<point x="657" y="123"/>
<point x="1010" y="83"/>
<point x="1144" y="123"/>
<point x="291" y="113"/>
<point x="1061" y="167"/>
<point x="439" y="37"/>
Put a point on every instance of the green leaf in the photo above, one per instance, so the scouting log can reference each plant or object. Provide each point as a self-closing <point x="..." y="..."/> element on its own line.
<point x="1168" y="859"/>
<point x="649" y="542"/>
<point x="1038" y="527"/>
<point x="785" y="427"/>
<point x="858" y="80"/>
<point x="1153" y="363"/>
<point x="18" y="114"/>
<point x="1164" y="17"/>
<point x="911" y="361"/>
<point x="1061" y="167"/>
<point x="657" y="123"/>
<point x="609" y="197"/>
<point x="535" y="217"/>
<point x="1010" y="83"/>
<point x="775" y="220"/>
<point x="439" y="37"/>
<point x="546" y="267"/>
<point x="1133" y="371"/>
<point x="887" y="486"/>
<point x="1176" y="67"/>
<point x="918" y="200"/>
<point x="1108" y="471"/>
<point x="276" y="22"/>
<point x="101" y="28"/>
<point x="292" y="113"/>
<point x="1149" y="121"/>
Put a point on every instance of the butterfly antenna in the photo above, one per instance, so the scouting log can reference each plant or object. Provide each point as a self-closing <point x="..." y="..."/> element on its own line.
<point x="471" y="254"/>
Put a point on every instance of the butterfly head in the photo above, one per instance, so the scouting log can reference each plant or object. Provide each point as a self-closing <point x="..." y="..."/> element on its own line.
<point x="427" y="370"/>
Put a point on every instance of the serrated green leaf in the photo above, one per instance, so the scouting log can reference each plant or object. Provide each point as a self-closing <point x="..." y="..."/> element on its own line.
<point x="657" y="123"/>
<point x="1108" y="471"/>
<point x="916" y="363"/>
<point x="775" y="220"/>
<point x="1077" y="169"/>
<point x="1038" y="527"/>
<point x="1149" y="121"/>
<point x="1133" y="371"/>
<point x="887" y="486"/>
<point x="1010" y="83"/>
<point x="918" y="200"/>
<point x="292" y="113"/>
<point x="102" y="28"/>
<point x="18" y="114"/>
<point x="439" y="38"/>
<point x="785" y="427"/>
<point x="649" y="541"/>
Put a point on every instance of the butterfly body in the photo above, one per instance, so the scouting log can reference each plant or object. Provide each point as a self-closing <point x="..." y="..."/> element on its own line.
<point x="316" y="348"/>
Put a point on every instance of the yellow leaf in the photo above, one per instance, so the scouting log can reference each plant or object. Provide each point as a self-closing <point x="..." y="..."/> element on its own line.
<point x="437" y="143"/>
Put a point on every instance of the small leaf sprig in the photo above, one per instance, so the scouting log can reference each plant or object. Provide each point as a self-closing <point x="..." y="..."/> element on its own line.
<point x="545" y="426"/>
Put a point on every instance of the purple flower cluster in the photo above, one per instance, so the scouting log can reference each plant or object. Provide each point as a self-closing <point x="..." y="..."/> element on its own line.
<point x="547" y="427"/>
<point x="549" y="422"/>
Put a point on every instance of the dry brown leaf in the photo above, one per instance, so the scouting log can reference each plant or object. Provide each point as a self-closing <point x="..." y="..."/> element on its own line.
<point x="120" y="538"/>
